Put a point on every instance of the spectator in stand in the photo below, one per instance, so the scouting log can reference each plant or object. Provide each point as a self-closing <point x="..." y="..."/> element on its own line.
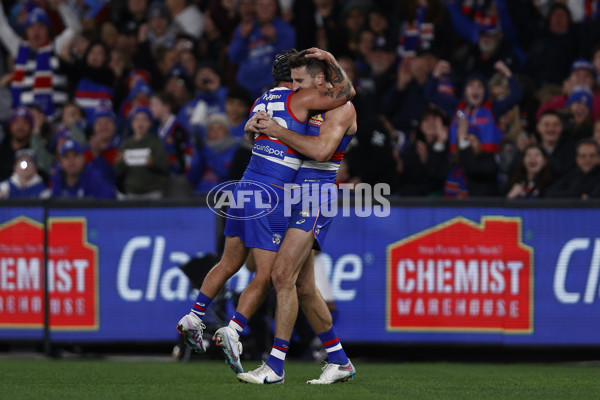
<point x="212" y="160"/>
<point x="92" y="77"/>
<point x="20" y="136"/>
<point x="532" y="176"/>
<point x="166" y="59"/>
<point x="157" y="32"/>
<point x="424" y="26"/>
<point x="559" y="147"/>
<point x="187" y="16"/>
<point x="103" y="145"/>
<point x="209" y="99"/>
<point x="370" y="155"/>
<point x="213" y="45"/>
<point x="139" y="95"/>
<point x="255" y="44"/>
<point x="225" y="16"/>
<point x="76" y="179"/>
<point x="584" y="180"/>
<point x="426" y="161"/>
<point x="142" y="162"/>
<point x="35" y="59"/>
<point x="379" y="23"/>
<point x="382" y="67"/>
<point x="173" y="135"/>
<point x="364" y="101"/>
<point x="474" y="135"/>
<point x="490" y="48"/>
<point x="108" y="34"/>
<point x="179" y="85"/>
<point x="554" y="49"/>
<point x="121" y="66"/>
<point x="578" y="113"/>
<point x="25" y="182"/>
<point x="237" y="108"/>
<point x="583" y="73"/>
<point x="404" y="103"/>
<point x="327" y="24"/>
<point x="133" y="16"/>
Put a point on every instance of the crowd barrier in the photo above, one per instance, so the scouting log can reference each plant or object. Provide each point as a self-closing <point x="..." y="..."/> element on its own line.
<point x="433" y="271"/>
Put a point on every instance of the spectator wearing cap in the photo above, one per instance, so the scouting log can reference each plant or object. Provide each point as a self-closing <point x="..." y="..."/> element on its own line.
<point x="38" y="77"/>
<point x="138" y="95"/>
<point x="553" y="49"/>
<point x="209" y="98"/>
<point x="583" y="181"/>
<point x="20" y="136"/>
<point x="142" y="162"/>
<point x="382" y="65"/>
<point x="582" y="74"/>
<point x="328" y="24"/>
<point x="213" y="157"/>
<point x="158" y="32"/>
<point x="578" y="113"/>
<point x="255" y="44"/>
<point x="187" y="16"/>
<point x="76" y="179"/>
<point x="491" y="47"/>
<point x="25" y="182"/>
<point x="173" y="135"/>
<point x="179" y="85"/>
<point x="103" y="144"/>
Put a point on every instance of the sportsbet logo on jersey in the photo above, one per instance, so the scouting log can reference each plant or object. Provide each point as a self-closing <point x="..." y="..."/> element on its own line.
<point x="72" y="275"/>
<point x="462" y="276"/>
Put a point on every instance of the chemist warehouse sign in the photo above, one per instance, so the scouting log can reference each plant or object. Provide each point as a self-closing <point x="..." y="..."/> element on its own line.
<point x="72" y="279"/>
<point x="460" y="275"/>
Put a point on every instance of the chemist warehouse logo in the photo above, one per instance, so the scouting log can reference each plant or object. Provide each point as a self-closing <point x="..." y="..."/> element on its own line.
<point x="72" y="275"/>
<point x="461" y="276"/>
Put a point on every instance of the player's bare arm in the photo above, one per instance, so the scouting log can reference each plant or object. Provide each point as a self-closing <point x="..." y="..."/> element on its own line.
<point x="324" y="98"/>
<point x="338" y="122"/>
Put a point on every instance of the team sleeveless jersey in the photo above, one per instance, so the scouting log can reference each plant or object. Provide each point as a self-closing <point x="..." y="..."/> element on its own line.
<point x="325" y="171"/>
<point x="272" y="161"/>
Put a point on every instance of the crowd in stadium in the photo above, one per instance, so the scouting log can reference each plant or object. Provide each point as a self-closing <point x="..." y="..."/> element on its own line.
<point x="142" y="99"/>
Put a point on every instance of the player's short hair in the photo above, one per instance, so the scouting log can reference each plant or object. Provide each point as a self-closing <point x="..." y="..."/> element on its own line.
<point x="281" y="69"/>
<point x="313" y="65"/>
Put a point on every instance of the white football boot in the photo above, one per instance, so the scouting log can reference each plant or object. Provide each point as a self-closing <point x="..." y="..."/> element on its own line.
<point x="263" y="375"/>
<point x="192" y="328"/>
<point x="333" y="373"/>
<point x="229" y="340"/>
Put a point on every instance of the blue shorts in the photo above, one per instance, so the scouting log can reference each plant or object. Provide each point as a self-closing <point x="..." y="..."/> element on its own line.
<point x="260" y="223"/>
<point x="314" y="211"/>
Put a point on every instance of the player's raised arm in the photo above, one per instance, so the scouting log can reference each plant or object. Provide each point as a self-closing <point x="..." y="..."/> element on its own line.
<point x="324" y="98"/>
<point x="338" y="122"/>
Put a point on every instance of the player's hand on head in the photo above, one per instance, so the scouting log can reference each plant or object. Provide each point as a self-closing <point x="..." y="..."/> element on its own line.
<point x="315" y="52"/>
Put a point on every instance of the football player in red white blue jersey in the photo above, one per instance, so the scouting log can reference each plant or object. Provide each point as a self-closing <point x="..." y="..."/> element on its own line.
<point x="273" y="164"/>
<point x="324" y="142"/>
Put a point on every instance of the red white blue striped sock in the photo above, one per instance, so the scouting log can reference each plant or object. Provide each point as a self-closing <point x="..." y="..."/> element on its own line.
<point x="277" y="356"/>
<point x="238" y="322"/>
<point x="200" y="305"/>
<point x="333" y="347"/>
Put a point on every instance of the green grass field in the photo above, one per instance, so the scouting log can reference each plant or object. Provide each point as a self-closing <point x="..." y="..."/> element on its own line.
<point x="85" y="379"/>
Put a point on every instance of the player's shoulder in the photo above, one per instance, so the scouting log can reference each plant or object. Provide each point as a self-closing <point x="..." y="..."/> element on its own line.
<point x="344" y="111"/>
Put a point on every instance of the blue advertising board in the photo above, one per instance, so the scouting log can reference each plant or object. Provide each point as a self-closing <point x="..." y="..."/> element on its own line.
<point x="496" y="275"/>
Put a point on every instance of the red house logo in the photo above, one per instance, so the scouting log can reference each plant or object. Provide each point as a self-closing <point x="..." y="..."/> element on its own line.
<point x="461" y="276"/>
<point x="72" y="275"/>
